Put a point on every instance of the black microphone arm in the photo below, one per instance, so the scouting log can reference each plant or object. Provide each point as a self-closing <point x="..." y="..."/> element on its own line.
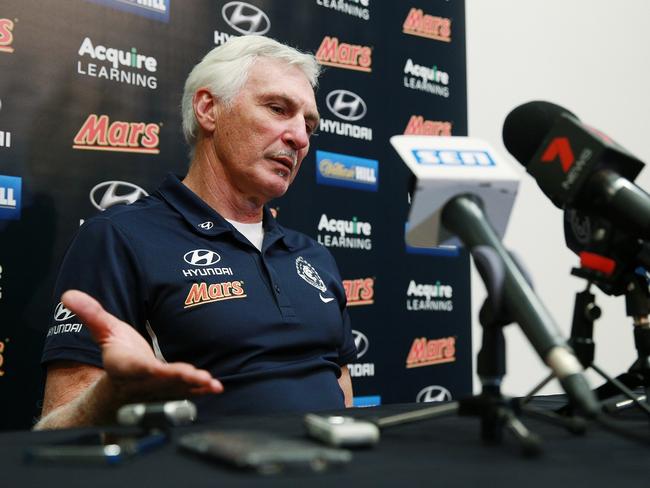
<point x="464" y="216"/>
<point x="622" y="201"/>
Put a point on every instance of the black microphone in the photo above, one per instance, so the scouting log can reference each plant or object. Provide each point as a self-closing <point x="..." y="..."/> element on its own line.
<point x="463" y="215"/>
<point x="577" y="166"/>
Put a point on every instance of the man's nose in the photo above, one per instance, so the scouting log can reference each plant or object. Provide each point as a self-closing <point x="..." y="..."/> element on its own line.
<point x="296" y="136"/>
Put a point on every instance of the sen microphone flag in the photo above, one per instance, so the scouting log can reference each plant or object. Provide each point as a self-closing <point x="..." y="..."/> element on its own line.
<point x="446" y="167"/>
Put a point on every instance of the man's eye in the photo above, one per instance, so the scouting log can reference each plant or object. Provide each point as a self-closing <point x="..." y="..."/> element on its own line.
<point x="277" y="109"/>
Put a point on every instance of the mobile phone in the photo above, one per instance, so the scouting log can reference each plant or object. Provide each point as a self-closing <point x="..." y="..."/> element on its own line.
<point x="97" y="447"/>
<point x="341" y="431"/>
<point x="262" y="452"/>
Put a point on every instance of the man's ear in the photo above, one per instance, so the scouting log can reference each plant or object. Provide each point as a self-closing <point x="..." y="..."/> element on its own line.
<point x="205" y="105"/>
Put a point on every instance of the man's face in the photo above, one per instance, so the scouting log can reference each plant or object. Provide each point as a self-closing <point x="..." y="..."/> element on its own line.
<point x="263" y="137"/>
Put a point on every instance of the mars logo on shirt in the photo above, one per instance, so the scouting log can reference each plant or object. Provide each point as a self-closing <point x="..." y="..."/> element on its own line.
<point x="308" y="273"/>
<point x="201" y="293"/>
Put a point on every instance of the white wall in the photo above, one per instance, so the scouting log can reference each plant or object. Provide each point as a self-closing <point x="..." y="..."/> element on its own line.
<point x="592" y="57"/>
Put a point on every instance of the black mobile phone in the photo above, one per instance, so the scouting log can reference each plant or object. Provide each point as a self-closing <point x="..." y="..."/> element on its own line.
<point x="262" y="452"/>
<point x="103" y="447"/>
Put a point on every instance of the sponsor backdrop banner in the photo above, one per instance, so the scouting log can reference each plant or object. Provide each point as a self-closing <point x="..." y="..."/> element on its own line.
<point x="89" y="117"/>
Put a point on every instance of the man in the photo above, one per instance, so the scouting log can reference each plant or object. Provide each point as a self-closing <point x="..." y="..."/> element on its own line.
<point x="203" y="271"/>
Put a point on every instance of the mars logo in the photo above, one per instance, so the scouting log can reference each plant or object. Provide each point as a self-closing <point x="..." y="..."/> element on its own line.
<point x="433" y="393"/>
<point x="418" y="23"/>
<point x="427" y="352"/>
<point x="61" y="313"/>
<point x="343" y="55"/>
<point x="418" y="126"/>
<point x="6" y="36"/>
<point x="360" y="291"/>
<point x="99" y="134"/>
<point x="202" y="293"/>
<point x="109" y="193"/>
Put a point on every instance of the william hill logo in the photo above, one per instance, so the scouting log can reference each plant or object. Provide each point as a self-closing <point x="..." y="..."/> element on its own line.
<point x="99" y="134"/>
<point x="418" y="23"/>
<point x="6" y="36"/>
<point x="201" y="293"/>
<point x="418" y="126"/>
<point x="342" y="55"/>
<point x="427" y="352"/>
<point x="359" y="291"/>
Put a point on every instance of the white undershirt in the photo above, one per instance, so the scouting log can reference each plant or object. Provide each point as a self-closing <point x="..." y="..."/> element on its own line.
<point x="253" y="232"/>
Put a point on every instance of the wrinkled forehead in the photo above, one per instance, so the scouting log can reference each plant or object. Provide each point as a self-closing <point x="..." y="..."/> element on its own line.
<point x="276" y="73"/>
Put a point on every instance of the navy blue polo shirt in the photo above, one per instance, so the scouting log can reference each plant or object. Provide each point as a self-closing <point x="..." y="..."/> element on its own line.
<point x="271" y="325"/>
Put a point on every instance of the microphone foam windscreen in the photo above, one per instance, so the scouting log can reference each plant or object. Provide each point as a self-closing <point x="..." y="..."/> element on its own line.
<point x="526" y="126"/>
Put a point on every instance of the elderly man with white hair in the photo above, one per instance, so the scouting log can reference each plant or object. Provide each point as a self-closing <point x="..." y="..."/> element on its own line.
<point x="196" y="289"/>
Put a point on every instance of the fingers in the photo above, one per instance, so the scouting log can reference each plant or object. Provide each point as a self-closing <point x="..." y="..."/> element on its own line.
<point x="189" y="375"/>
<point x="91" y="313"/>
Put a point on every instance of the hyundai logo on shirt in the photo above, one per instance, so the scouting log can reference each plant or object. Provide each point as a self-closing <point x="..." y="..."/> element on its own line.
<point x="10" y="191"/>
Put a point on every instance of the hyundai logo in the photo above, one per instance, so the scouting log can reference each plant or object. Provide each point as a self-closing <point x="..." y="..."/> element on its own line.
<point x="201" y="257"/>
<point x="346" y="105"/>
<point x="433" y="393"/>
<point x="206" y="225"/>
<point x="361" y="343"/>
<point x="61" y="313"/>
<point x="109" y="193"/>
<point x="245" y="18"/>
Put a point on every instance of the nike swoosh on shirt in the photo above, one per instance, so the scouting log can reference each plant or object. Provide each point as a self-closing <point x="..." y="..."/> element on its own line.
<point x="325" y="300"/>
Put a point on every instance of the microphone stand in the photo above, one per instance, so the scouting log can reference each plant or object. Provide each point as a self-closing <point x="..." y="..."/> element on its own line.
<point x="495" y="411"/>
<point x="584" y="314"/>
<point x="508" y="301"/>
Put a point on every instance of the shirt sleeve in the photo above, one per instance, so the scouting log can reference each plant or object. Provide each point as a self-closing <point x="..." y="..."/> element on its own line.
<point x="348" y="350"/>
<point x="100" y="262"/>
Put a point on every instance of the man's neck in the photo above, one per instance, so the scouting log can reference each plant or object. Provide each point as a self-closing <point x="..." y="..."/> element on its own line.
<point x="207" y="180"/>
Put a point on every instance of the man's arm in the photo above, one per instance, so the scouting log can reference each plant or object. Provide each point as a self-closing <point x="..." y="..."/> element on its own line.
<point x="81" y="395"/>
<point x="345" y="382"/>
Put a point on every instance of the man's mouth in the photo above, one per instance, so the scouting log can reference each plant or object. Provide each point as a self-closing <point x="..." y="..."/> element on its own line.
<point x="286" y="160"/>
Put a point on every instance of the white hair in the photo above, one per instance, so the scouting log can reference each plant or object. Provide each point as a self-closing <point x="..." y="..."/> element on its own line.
<point x="224" y="70"/>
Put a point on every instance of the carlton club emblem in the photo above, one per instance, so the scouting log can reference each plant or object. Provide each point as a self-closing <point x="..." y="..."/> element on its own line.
<point x="308" y="273"/>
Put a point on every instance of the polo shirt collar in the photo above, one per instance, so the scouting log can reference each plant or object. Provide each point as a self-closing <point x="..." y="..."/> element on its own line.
<point x="205" y="220"/>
